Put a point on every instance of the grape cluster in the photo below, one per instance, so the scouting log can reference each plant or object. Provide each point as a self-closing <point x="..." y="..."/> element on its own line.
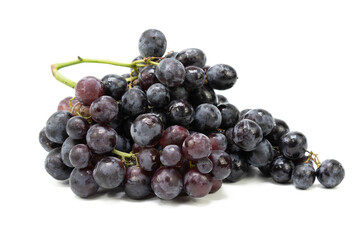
<point x="162" y="130"/>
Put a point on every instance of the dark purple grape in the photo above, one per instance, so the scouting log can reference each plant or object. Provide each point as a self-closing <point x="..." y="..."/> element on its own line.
<point x="180" y="112"/>
<point x="221" y="99"/>
<point x="303" y="175"/>
<point x="218" y="141"/>
<point x="137" y="183"/>
<point x="68" y="144"/>
<point x="45" y="141"/>
<point x="330" y="173"/>
<point x="167" y="183"/>
<point x="231" y="146"/>
<point x="171" y="54"/>
<point x="115" y="85"/>
<point x="179" y="93"/>
<point x="263" y="118"/>
<point x="202" y="95"/>
<point x="158" y="95"/>
<point x="82" y="182"/>
<point x="221" y="76"/>
<point x="101" y="139"/>
<point x="149" y="159"/>
<point x="152" y="43"/>
<point x="88" y="89"/>
<point x="109" y="172"/>
<point x="55" y="166"/>
<point x="229" y="115"/>
<point x="293" y="145"/>
<point x="147" y="77"/>
<point x="242" y="113"/>
<point x="196" y="146"/>
<point x="171" y="155"/>
<point x="146" y="130"/>
<point x="80" y="156"/>
<point x="123" y="144"/>
<point x="239" y="166"/>
<point x="221" y="164"/>
<point x="281" y="170"/>
<point x="104" y="109"/>
<point x="55" y="129"/>
<point x="247" y="135"/>
<point x="197" y="184"/>
<point x="204" y="165"/>
<point x="134" y="102"/>
<point x="277" y="132"/>
<point x="207" y="117"/>
<point x="192" y="57"/>
<point x="170" y="72"/>
<point x="175" y="134"/>
<point x="262" y="155"/>
<point x="77" y="127"/>
<point x="194" y="77"/>
<point x="216" y="185"/>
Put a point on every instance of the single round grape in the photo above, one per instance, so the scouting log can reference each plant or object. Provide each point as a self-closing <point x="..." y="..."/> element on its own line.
<point x="218" y="141"/>
<point x="158" y="95"/>
<point x="202" y="95"/>
<point x="216" y="185"/>
<point x="229" y="115"/>
<point x="197" y="184"/>
<point x="281" y="170"/>
<point x="330" y="173"/>
<point x="262" y="155"/>
<point x="207" y="117"/>
<point x="196" y="146"/>
<point x="194" y="77"/>
<point x="247" y="135"/>
<point x="149" y="159"/>
<point x="109" y="172"/>
<point x="146" y="130"/>
<point x="137" y="183"/>
<point x="239" y="166"/>
<point x="147" y="77"/>
<point x="45" y="141"/>
<point x="115" y="85"/>
<point x="221" y="99"/>
<point x="88" y="89"/>
<point x="221" y="164"/>
<point x="55" y="166"/>
<point x="277" y="132"/>
<point x="67" y="103"/>
<point x="55" y="129"/>
<point x="77" y="127"/>
<point x="167" y="183"/>
<point x="204" y="165"/>
<point x="104" y="109"/>
<point x="101" y="139"/>
<point x="231" y="146"/>
<point x="192" y="57"/>
<point x="82" y="182"/>
<point x="221" y="76"/>
<point x="171" y="155"/>
<point x="303" y="176"/>
<point x="123" y="144"/>
<point x="175" y="134"/>
<point x="152" y="43"/>
<point x="263" y="118"/>
<point x="293" y="145"/>
<point x="79" y="109"/>
<point x="179" y="93"/>
<point x="68" y="144"/>
<point x="170" y="72"/>
<point x="80" y="156"/>
<point x="180" y="112"/>
<point x="134" y="102"/>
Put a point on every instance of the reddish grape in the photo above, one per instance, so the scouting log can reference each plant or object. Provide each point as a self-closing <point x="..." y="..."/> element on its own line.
<point x="222" y="164"/>
<point x="167" y="183"/>
<point x="197" y="184"/>
<point x="104" y="109"/>
<point x="137" y="183"/>
<point x="216" y="185"/>
<point x="204" y="165"/>
<point x="67" y="103"/>
<point x="171" y="155"/>
<point x="81" y="110"/>
<point x="88" y="89"/>
<point x="149" y="159"/>
<point x="175" y="134"/>
<point x="196" y="146"/>
<point x="218" y="141"/>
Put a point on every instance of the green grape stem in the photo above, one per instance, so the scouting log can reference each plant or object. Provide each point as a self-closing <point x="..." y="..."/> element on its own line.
<point x="68" y="82"/>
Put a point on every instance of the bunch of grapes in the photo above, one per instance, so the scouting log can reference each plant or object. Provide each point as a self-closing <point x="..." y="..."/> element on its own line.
<point x="161" y="129"/>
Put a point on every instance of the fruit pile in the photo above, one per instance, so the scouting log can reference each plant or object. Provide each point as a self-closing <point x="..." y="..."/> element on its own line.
<point x="162" y="129"/>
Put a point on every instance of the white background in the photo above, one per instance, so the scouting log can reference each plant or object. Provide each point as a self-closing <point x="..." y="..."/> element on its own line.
<point x="297" y="59"/>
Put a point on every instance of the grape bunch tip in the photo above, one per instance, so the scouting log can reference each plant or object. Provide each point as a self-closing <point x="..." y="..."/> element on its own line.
<point x="162" y="130"/>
